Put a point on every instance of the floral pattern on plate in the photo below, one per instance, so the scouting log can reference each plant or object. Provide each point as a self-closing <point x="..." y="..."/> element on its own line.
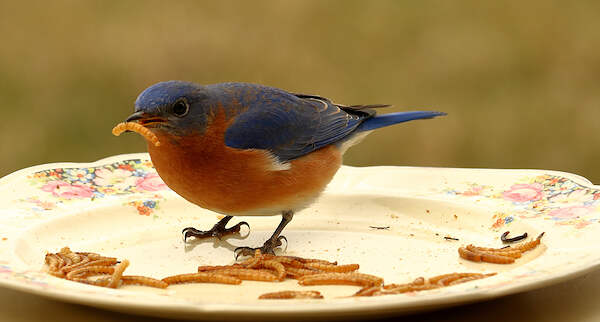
<point x="62" y="185"/>
<point x="545" y="196"/>
<point x="146" y="207"/>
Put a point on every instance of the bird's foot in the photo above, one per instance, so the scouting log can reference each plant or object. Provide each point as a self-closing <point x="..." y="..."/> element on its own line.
<point x="218" y="230"/>
<point x="268" y="247"/>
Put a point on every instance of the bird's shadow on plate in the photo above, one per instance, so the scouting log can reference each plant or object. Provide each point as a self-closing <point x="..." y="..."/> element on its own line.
<point x="223" y="242"/>
<point x="216" y="242"/>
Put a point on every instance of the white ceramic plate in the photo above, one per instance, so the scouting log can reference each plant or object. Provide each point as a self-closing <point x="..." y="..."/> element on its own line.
<point x="119" y="207"/>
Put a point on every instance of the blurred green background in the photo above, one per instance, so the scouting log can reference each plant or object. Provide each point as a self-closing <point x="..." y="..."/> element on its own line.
<point x="520" y="80"/>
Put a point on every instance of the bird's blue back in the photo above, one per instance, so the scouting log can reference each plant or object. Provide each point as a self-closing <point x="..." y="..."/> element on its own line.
<point x="292" y="125"/>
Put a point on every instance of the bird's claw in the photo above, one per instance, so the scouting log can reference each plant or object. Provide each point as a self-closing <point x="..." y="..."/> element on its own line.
<point x="268" y="248"/>
<point x="217" y="231"/>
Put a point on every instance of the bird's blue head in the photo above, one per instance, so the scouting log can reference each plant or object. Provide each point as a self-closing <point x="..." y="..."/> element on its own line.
<point x="175" y="107"/>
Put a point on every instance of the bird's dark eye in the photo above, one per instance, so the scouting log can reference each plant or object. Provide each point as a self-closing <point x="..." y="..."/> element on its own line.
<point x="181" y="108"/>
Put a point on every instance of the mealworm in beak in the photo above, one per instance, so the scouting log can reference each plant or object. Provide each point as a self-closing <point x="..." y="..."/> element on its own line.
<point x="137" y="128"/>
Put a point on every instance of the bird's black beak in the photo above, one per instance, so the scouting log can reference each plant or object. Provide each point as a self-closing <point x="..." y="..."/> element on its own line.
<point x="137" y="116"/>
<point x="146" y="119"/>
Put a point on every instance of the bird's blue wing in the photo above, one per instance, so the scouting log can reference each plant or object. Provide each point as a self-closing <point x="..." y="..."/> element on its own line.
<point x="290" y="125"/>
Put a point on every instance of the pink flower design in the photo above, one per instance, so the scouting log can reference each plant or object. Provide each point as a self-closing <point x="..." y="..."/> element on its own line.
<point x="151" y="182"/>
<point x="524" y="192"/>
<point x="570" y="212"/>
<point x="474" y="191"/>
<point x="119" y="179"/>
<point x="68" y="191"/>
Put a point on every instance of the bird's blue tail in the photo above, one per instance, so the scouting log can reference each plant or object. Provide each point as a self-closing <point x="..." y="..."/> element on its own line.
<point x="393" y="118"/>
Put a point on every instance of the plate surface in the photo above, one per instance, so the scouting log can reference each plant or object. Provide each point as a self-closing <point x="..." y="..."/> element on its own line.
<point x="120" y="207"/>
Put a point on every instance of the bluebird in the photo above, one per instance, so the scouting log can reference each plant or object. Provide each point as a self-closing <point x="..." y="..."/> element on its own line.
<point x="243" y="149"/>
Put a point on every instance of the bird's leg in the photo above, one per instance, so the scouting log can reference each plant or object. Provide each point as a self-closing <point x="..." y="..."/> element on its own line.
<point x="269" y="246"/>
<point x="218" y="230"/>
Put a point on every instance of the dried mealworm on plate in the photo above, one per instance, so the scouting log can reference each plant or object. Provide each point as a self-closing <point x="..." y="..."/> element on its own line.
<point x="340" y="279"/>
<point x="276" y="266"/>
<point x="529" y="245"/>
<point x="298" y="272"/>
<point x="286" y="295"/>
<point x="116" y="276"/>
<point x="143" y="280"/>
<point x="333" y="268"/>
<point x="469" y="255"/>
<point x="90" y="270"/>
<point x="248" y="274"/>
<point x="368" y="291"/>
<point x="201" y="277"/>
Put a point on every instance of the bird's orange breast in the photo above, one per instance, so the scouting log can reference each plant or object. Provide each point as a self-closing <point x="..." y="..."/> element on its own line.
<point x="203" y="170"/>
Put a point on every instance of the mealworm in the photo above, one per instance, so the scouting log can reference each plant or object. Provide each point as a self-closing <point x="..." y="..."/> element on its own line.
<point x="250" y="262"/>
<point x="54" y="262"/>
<point x="98" y="282"/>
<point x="393" y="285"/>
<point x="57" y="273"/>
<point x="248" y="274"/>
<point x="298" y="272"/>
<point x="368" y="291"/>
<point x="508" y="253"/>
<point x="66" y="259"/>
<point x="81" y="263"/>
<point x="285" y="295"/>
<point x="90" y="270"/>
<point x="85" y="264"/>
<point x="138" y="128"/>
<point x="201" y="278"/>
<point x="340" y="279"/>
<point x="514" y="253"/>
<point x="530" y="245"/>
<point x="445" y="280"/>
<point x="405" y="288"/>
<point x="469" y="255"/>
<point x="295" y="260"/>
<point x="474" y="248"/>
<point x="313" y="260"/>
<point x="505" y="255"/>
<point x="436" y="279"/>
<point x="418" y="284"/>
<point x="143" y="280"/>
<point x="376" y="280"/>
<point x="470" y="278"/>
<point x="288" y="261"/>
<point x="103" y="261"/>
<point x="116" y="276"/>
<point x="496" y="259"/>
<point x="207" y="268"/>
<point x="74" y="258"/>
<point x="65" y="250"/>
<point x="90" y="255"/>
<point x="419" y="281"/>
<point x="333" y="268"/>
<point x="276" y="266"/>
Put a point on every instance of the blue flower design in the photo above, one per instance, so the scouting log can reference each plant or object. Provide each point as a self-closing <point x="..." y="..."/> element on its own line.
<point x="150" y="204"/>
